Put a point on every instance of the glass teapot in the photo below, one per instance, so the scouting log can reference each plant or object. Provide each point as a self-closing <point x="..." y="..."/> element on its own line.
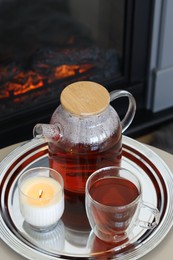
<point x="84" y="134"/>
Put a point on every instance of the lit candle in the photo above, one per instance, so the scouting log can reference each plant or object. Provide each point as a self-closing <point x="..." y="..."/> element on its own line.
<point x="41" y="198"/>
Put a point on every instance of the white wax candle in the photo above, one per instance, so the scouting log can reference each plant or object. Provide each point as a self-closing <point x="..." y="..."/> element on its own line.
<point x="41" y="201"/>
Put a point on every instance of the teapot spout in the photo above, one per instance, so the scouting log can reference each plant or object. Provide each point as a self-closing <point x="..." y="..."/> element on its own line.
<point x="51" y="133"/>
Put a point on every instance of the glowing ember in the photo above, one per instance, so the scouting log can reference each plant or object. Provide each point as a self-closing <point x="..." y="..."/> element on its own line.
<point x="21" y="83"/>
<point x="25" y="82"/>
<point x="70" y="70"/>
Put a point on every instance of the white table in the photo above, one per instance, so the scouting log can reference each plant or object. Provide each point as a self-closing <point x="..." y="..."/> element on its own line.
<point x="163" y="251"/>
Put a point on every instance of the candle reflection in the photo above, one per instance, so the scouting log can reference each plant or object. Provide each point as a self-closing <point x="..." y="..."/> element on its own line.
<point x="53" y="240"/>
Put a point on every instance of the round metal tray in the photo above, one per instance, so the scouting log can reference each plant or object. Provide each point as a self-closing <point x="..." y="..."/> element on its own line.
<point x="61" y="243"/>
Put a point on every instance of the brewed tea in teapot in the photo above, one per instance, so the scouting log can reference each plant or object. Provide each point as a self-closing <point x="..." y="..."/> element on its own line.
<point x="84" y="134"/>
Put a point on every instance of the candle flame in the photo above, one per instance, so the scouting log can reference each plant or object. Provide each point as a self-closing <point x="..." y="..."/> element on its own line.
<point x="40" y="194"/>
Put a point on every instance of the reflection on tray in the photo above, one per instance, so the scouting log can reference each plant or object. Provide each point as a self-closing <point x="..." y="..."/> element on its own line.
<point x="61" y="237"/>
<point x="98" y="246"/>
<point x="77" y="238"/>
<point x="54" y="239"/>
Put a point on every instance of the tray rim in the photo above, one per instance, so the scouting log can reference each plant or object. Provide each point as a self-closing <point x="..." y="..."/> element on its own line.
<point x="127" y="141"/>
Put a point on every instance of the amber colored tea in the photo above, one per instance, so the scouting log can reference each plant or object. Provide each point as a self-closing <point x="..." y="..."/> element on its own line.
<point x="75" y="166"/>
<point x="114" y="192"/>
<point x="74" y="216"/>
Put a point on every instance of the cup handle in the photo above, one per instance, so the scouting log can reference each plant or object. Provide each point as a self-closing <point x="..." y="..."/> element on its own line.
<point x="126" y="121"/>
<point x="154" y="211"/>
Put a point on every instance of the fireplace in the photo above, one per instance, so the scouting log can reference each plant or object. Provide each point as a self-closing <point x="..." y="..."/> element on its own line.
<point x="48" y="44"/>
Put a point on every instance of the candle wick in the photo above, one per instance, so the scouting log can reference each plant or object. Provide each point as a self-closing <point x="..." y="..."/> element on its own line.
<point x="40" y="193"/>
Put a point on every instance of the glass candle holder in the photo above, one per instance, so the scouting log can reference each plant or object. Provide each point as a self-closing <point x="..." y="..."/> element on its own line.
<point x="41" y="197"/>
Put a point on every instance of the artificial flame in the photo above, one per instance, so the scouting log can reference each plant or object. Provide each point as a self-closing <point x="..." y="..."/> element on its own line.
<point x="65" y="71"/>
<point x="26" y="81"/>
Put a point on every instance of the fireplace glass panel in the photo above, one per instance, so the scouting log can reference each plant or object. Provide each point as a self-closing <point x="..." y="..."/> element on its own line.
<point x="47" y="44"/>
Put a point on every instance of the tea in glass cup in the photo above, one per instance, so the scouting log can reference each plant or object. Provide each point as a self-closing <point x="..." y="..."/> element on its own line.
<point x="113" y="202"/>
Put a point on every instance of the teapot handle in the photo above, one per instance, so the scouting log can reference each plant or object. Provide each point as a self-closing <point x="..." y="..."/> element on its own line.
<point x="126" y="121"/>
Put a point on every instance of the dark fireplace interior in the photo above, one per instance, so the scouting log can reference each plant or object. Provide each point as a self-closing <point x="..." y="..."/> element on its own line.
<point x="47" y="44"/>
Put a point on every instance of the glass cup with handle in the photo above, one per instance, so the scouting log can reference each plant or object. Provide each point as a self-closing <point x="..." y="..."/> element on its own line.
<point x="113" y="203"/>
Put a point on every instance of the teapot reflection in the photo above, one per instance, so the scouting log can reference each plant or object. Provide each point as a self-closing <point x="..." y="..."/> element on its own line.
<point x="84" y="134"/>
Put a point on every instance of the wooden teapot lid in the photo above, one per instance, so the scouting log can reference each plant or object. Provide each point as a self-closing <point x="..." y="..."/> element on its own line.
<point x="85" y="98"/>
